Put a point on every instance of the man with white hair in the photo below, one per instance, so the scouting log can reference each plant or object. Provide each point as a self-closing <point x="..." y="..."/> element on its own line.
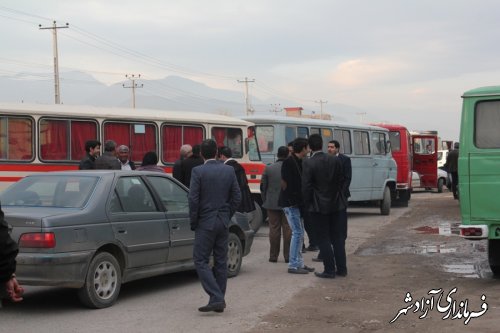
<point x="185" y="152"/>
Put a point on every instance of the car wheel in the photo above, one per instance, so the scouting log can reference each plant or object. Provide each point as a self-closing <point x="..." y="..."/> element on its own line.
<point x="440" y="185"/>
<point x="385" y="203"/>
<point x="255" y="218"/>
<point x="494" y="256"/>
<point x="102" y="283"/>
<point x="234" y="255"/>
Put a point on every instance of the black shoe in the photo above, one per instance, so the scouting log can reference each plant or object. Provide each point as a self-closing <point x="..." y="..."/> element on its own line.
<point x="317" y="259"/>
<point x="341" y="273"/>
<point x="309" y="269"/>
<point x="324" y="275"/>
<point x="312" y="248"/>
<point x="216" y="307"/>
<point x="273" y="260"/>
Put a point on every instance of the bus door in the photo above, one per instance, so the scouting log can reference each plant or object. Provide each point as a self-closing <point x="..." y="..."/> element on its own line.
<point x="425" y="159"/>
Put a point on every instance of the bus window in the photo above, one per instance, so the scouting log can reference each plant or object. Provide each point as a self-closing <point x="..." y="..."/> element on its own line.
<point x="361" y="143"/>
<point x="251" y="145"/>
<point x="486" y="134"/>
<point x="265" y="138"/>
<point x="16" y="138"/>
<point x="64" y="140"/>
<point x="175" y="136"/>
<point x="395" y="139"/>
<point x="378" y="143"/>
<point x="229" y="137"/>
<point x="139" y="137"/>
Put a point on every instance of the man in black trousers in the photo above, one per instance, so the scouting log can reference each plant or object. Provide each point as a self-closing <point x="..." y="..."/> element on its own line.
<point x="321" y="176"/>
<point x="214" y="196"/>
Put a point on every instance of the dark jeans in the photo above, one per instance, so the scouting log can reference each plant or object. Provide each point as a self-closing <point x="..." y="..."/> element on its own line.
<point x="325" y="233"/>
<point x="338" y="239"/>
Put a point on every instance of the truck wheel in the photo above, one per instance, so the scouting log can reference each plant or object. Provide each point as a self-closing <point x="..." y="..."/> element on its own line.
<point x="102" y="283"/>
<point x="385" y="203"/>
<point x="494" y="256"/>
<point x="234" y="255"/>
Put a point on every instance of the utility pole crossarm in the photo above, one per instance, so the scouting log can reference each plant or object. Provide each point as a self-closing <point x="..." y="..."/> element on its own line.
<point x="54" y="28"/>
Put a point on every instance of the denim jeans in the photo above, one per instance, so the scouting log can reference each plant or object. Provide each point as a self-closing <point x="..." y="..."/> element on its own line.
<point x="294" y="220"/>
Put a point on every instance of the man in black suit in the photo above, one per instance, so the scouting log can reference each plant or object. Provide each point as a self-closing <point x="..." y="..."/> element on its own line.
<point x="320" y="191"/>
<point x="214" y="196"/>
<point x="340" y="216"/>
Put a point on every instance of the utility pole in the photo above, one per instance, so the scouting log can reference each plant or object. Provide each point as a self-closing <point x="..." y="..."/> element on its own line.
<point x="134" y="85"/>
<point x="246" y="81"/>
<point x="54" y="28"/>
<point x="321" y="102"/>
<point x="361" y="115"/>
<point x="275" y="108"/>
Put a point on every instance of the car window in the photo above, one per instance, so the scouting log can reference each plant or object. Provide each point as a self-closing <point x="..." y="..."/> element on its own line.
<point x="173" y="196"/>
<point x="50" y="191"/>
<point x="132" y="195"/>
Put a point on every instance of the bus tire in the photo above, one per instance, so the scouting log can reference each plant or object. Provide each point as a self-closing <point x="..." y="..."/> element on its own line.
<point x="494" y="256"/>
<point x="385" y="203"/>
<point x="440" y="185"/>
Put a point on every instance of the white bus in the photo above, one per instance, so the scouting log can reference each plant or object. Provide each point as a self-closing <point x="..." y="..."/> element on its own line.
<point x="374" y="170"/>
<point x="38" y="138"/>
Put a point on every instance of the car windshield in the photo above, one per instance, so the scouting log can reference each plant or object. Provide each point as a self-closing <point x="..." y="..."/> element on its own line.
<point x="67" y="191"/>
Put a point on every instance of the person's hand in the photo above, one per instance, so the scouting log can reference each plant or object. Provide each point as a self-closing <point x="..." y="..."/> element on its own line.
<point x="14" y="290"/>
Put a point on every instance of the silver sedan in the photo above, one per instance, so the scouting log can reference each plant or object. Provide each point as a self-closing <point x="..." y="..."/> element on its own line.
<point x="94" y="230"/>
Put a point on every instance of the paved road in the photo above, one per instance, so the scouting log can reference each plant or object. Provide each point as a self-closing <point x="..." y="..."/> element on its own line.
<point x="169" y="303"/>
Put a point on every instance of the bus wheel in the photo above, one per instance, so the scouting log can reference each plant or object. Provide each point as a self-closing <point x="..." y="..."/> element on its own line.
<point x="385" y="203"/>
<point x="440" y="185"/>
<point x="494" y="256"/>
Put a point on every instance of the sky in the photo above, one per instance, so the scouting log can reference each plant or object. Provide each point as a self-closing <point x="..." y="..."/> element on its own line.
<point x="405" y="62"/>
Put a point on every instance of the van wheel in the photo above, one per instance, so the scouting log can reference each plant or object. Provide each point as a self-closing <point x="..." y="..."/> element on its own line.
<point x="255" y="218"/>
<point x="494" y="256"/>
<point x="102" y="283"/>
<point x="234" y="255"/>
<point x="385" y="203"/>
<point x="440" y="185"/>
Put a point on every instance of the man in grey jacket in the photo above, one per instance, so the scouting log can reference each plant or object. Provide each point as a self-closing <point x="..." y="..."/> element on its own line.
<point x="270" y="188"/>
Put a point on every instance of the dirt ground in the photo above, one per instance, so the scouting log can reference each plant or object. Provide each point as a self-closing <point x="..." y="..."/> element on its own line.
<point x="407" y="255"/>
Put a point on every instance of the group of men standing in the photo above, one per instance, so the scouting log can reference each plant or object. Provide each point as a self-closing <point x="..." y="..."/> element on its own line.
<point x="316" y="188"/>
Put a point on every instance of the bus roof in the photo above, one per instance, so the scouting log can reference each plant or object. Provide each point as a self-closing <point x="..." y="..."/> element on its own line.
<point x="482" y="91"/>
<point x="138" y="114"/>
<point x="305" y="121"/>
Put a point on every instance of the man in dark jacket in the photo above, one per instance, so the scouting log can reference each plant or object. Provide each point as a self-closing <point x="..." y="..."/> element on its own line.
<point x="321" y="179"/>
<point x="93" y="148"/>
<point x="291" y="201"/>
<point x="108" y="159"/>
<point x="247" y="205"/>
<point x="9" y="286"/>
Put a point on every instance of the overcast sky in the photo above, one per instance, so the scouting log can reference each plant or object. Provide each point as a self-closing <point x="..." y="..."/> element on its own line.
<point x="404" y="62"/>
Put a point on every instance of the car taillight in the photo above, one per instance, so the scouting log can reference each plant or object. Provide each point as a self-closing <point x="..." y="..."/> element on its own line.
<point x="38" y="239"/>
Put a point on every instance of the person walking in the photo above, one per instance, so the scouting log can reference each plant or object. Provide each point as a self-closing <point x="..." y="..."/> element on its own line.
<point x="108" y="159"/>
<point x="247" y="205"/>
<point x="452" y="167"/>
<point x="214" y="196"/>
<point x="291" y="200"/>
<point x="321" y="179"/>
<point x="9" y="287"/>
<point x="270" y="187"/>
<point x="92" y="148"/>
<point x="123" y="153"/>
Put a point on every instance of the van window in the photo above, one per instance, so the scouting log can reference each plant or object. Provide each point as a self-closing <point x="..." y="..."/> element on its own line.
<point x="487" y="118"/>
<point x="361" y="143"/>
<point x="378" y="143"/>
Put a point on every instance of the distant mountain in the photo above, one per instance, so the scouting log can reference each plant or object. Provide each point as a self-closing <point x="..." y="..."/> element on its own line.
<point x="172" y="93"/>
